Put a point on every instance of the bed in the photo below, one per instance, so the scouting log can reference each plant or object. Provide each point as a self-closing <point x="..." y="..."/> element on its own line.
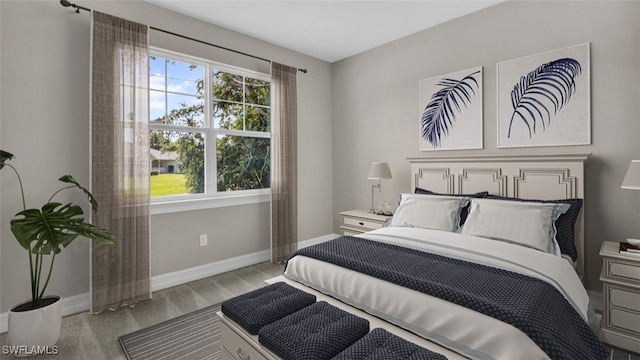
<point x="450" y="289"/>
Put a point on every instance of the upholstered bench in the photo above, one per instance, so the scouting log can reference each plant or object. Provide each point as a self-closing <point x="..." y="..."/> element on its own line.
<point x="380" y="344"/>
<point x="263" y="306"/>
<point x="319" y="331"/>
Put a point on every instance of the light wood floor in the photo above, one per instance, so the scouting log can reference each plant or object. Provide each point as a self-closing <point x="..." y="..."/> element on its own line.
<point x="94" y="337"/>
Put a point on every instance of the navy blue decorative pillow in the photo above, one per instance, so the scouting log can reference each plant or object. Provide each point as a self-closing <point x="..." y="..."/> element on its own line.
<point x="564" y="224"/>
<point x="465" y="210"/>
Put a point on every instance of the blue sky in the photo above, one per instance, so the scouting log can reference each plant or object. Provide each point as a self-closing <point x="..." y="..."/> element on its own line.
<point x="180" y="85"/>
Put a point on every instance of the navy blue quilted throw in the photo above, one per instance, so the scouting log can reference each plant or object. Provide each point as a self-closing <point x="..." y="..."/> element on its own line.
<point x="380" y="344"/>
<point x="535" y="307"/>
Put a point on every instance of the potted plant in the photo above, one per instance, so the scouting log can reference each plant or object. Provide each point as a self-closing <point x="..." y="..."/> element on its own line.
<point x="35" y="323"/>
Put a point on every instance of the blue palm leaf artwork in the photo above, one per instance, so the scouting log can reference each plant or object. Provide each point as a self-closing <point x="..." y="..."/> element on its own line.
<point x="440" y="113"/>
<point x="542" y="92"/>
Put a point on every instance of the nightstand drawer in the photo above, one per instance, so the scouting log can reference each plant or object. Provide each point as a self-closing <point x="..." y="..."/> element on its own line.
<point x="620" y="278"/>
<point x="623" y="271"/>
<point x="624" y="299"/>
<point x="624" y="320"/>
<point x="362" y="223"/>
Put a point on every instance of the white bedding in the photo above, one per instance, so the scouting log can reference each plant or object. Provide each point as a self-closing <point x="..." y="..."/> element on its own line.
<point x="463" y="330"/>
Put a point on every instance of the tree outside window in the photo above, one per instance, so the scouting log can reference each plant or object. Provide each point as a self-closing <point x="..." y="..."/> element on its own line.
<point x="197" y="106"/>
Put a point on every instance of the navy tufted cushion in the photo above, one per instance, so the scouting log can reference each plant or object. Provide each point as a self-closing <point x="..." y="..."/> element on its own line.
<point x="564" y="224"/>
<point x="319" y="331"/>
<point x="380" y="344"/>
<point x="464" y="212"/>
<point x="263" y="306"/>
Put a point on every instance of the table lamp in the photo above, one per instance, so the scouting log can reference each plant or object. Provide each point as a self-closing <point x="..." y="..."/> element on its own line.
<point x="378" y="171"/>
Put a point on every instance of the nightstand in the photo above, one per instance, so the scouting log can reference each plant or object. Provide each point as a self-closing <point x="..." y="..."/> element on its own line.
<point x="621" y="298"/>
<point x="359" y="221"/>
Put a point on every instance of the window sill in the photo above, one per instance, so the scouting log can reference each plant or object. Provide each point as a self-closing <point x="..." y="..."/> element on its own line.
<point x="169" y="207"/>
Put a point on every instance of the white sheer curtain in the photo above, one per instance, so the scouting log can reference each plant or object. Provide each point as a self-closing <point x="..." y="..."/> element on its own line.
<point x="284" y="165"/>
<point x="120" y="160"/>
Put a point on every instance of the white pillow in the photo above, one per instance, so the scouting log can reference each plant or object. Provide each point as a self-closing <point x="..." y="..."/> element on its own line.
<point x="429" y="211"/>
<point x="523" y="223"/>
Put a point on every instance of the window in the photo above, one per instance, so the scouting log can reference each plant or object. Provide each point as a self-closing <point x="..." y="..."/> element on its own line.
<point x="209" y="129"/>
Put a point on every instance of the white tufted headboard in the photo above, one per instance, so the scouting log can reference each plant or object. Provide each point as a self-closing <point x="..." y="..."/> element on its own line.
<point x="546" y="177"/>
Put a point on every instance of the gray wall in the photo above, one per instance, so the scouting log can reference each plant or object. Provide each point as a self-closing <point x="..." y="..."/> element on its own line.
<point x="375" y="102"/>
<point x="372" y="115"/>
<point x="44" y="122"/>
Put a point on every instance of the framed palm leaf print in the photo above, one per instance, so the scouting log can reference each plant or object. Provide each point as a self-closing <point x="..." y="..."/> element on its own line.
<point x="544" y="99"/>
<point x="451" y="111"/>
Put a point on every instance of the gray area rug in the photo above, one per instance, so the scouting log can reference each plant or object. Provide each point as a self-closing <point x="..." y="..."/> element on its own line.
<point x="193" y="336"/>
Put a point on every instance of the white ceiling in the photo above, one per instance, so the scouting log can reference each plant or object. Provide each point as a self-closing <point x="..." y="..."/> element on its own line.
<point x="328" y="30"/>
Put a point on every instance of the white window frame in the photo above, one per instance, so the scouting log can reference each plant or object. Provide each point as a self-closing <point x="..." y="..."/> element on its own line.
<point x="211" y="198"/>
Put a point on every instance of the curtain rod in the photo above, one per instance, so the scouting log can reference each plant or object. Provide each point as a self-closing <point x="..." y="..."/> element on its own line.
<point x="66" y="3"/>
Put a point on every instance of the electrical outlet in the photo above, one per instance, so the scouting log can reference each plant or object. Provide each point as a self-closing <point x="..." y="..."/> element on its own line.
<point x="203" y="239"/>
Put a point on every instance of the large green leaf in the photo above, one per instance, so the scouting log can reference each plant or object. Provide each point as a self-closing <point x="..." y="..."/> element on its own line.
<point x="70" y="180"/>
<point x="4" y="156"/>
<point x="54" y="227"/>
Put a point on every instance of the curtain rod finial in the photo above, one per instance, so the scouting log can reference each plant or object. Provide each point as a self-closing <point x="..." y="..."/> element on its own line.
<point x="67" y="3"/>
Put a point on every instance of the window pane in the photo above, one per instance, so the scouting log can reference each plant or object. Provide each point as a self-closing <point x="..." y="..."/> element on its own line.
<point x="185" y="110"/>
<point x="257" y="118"/>
<point x="243" y="163"/>
<point x="157" y="107"/>
<point x="257" y="92"/>
<point x="185" y="78"/>
<point x="156" y="73"/>
<point x="227" y="115"/>
<point x="177" y="163"/>
<point x="227" y="86"/>
<point x="186" y="87"/>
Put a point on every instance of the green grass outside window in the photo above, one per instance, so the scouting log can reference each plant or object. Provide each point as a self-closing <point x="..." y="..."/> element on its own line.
<point x="168" y="184"/>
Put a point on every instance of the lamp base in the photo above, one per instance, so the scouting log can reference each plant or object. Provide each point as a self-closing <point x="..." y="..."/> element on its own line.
<point x="379" y="187"/>
<point x="634" y="242"/>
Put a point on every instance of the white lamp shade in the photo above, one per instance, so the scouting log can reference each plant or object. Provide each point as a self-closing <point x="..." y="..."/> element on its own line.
<point x="379" y="170"/>
<point x="632" y="179"/>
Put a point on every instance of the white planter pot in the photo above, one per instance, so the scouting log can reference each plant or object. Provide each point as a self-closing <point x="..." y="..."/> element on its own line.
<point x="35" y="328"/>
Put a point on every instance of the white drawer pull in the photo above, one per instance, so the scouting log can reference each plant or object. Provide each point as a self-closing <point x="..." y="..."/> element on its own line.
<point x="362" y="223"/>
<point x="242" y="356"/>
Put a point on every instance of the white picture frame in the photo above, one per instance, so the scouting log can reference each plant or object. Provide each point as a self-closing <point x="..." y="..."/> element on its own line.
<point x="545" y="99"/>
<point x="450" y="116"/>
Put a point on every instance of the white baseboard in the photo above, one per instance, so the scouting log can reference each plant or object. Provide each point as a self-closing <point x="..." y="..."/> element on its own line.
<point x="199" y="272"/>
<point x="175" y="278"/>
<point x="81" y="302"/>
<point x="75" y="304"/>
